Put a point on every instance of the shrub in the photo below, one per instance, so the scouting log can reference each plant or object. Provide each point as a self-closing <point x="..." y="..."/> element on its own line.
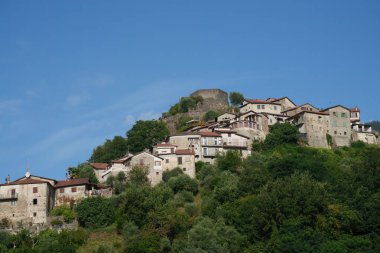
<point x="183" y="183"/>
<point x="96" y="212"/>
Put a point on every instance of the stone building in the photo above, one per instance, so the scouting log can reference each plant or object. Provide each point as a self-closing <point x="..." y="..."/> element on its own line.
<point x="69" y="192"/>
<point x="144" y="159"/>
<point x="27" y="200"/>
<point x="259" y="105"/>
<point x="339" y="125"/>
<point x="313" y="127"/>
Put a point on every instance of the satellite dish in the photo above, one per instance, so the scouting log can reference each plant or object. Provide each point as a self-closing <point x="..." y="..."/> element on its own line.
<point x="27" y="174"/>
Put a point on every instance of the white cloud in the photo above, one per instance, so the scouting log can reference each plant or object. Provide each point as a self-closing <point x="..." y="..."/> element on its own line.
<point x="76" y="99"/>
<point x="9" y="106"/>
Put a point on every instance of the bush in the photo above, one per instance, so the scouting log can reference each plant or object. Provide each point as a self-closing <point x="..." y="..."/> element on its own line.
<point x="183" y="183"/>
<point x="171" y="173"/>
<point x="65" y="211"/>
<point x="96" y="212"/>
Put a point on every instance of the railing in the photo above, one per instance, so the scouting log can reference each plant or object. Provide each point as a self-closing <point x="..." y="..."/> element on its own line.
<point x="8" y="196"/>
<point x="234" y="143"/>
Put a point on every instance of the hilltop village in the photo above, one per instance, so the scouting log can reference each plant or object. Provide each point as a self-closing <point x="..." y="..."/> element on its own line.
<point x="29" y="200"/>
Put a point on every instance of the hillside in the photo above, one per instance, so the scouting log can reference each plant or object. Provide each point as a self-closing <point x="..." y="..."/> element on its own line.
<point x="282" y="198"/>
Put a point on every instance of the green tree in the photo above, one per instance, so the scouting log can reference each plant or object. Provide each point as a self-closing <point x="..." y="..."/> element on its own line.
<point x="280" y="134"/>
<point x="138" y="175"/>
<point x="210" y="115"/>
<point x="83" y="170"/>
<point x="236" y="98"/>
<point x="145" y="133"/>
<point x="229" y="161"/>
<point x="110" y="150"/>
<point x="95" y="212"/>
<point x="210" y="236"/>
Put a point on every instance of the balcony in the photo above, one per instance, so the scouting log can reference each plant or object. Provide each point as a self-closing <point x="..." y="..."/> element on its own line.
<point x="8" y="197"/>
<point x="234" y="143"/>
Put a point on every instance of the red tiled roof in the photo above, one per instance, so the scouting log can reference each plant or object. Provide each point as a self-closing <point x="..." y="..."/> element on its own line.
<point x="165" y="145"/>
<point x="99" y="166"/>
<point x="26" y="181"/>
<point x="260" y="101"/>
<point x="355" y="109"/>
<point x="184" y="152"/>
<point x="209" y="134"/>
<point x="72" y="182"/>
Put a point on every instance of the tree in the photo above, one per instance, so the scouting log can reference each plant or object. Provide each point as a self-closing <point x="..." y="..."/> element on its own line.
<point x="83" y="170"/>
<point x="230" y="161"/>
<point x="210" y="115"/>
<point x="138" y="176"/>
<point x="145" y="133"/>
<point x="110" y="150"/>
<point x="95" y="212"/>
<point x="280" y="134"/>
<point x="210" y="236"/>
<point x="236" y="98"/>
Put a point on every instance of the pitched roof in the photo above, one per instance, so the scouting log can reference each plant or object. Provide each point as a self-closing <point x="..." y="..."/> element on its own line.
<point x="260" y="101"/>
<point x="356" y="109"/>
<point x="26" y="181"/>
<point x="99" y="166"/>
<point x="209" y="134"/>
<point x="165" y="145"/>
<point x="328" y="108"/>
<point x="72" y="182"/>
<point x="278" y="99"/>
<point x="184" y="152"/>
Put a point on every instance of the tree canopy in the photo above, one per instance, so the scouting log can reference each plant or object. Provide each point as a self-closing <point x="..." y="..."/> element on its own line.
<point x="110" y="150"/>
<point x="236" y="98"/>
<point x="145" y="133"/>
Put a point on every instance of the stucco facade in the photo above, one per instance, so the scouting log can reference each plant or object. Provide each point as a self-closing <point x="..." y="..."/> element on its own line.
<point x="339" y="125"/>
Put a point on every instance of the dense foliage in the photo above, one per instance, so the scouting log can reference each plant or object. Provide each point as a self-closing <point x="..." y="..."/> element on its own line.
<point x="210" y="115"/>
<point x="83" y="170"/>
<point x="185" y="104"/>
<point x="145" y="133"/>
<point x="236" y="98"/>
<point x="95" y="212"/>
<point x="111" y="149"/>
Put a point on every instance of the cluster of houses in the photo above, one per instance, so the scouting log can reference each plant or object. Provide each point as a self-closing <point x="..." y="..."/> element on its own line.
<point x="30" y="198"/>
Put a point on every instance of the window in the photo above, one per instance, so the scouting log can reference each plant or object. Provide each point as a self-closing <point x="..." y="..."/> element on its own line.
<point x="34" y="201"/>
<point x="262" y="106"/>
<point x="184" y="169"/>
<point x="258" y="106"/>
<point x="167" y="160"/>
<point x="215" y="141"/>
<point x="275" y="107"/>
<point x="62" y="190"/>
<point x="343" y="115"/>
<point x="35" y="189"/>
<point x="13" y="203"/>
<point x="34" y="214"/>
<point x="345" y="133"/>
<point x="73" y="189"/>
<point x="172" y="150"/>
<point x="335" y="132"/>
<point x="334" y="114"/>
<point x="229" y="134"/>
<point x="205" y="151"/>
<point x="13" y="193"/>
<point x="157" y="163"/>
<point x="179" y="160"/>
<point x="157" y="173"/>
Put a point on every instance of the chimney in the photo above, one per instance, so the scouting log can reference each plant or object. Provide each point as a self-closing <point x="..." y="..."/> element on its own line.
<point x="8" y="179"/>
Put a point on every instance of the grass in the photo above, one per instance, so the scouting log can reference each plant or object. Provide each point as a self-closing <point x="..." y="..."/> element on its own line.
<point x="106" y="238"/>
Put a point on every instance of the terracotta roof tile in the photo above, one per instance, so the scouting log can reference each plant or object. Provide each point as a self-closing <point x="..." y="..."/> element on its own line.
<point x="27" y="181"/>
<point x="260" y="101"/>
<point x="99" y="166"/>
<point x="72" y="182"/>
<point x="209" y="134"/>
<point x="184" y="152"/>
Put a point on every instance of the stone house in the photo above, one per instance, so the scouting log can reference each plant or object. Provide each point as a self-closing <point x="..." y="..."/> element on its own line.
<point x="304" y="107"/>
<point x="339" y="125"/>
<point x="259" y="105"/>
<point x="27" y="200"/>
<point x="144" y="159"/>
<point x="364" y="133"/>
<point x="70" y="192"/>
<point x="313" y="127"/>
<point x="176" y="158"/>
<point x="99" y="168"/>
<point x="286" y="103"/>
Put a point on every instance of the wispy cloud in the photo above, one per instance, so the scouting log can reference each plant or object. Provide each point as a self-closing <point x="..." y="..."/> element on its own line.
<point x="9" y="106"/>
<point x="76" y="99"/>
<point x="149" y="115"/>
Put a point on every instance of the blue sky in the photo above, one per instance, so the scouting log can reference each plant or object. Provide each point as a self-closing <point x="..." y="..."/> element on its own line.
<point x="74" y="73"/>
